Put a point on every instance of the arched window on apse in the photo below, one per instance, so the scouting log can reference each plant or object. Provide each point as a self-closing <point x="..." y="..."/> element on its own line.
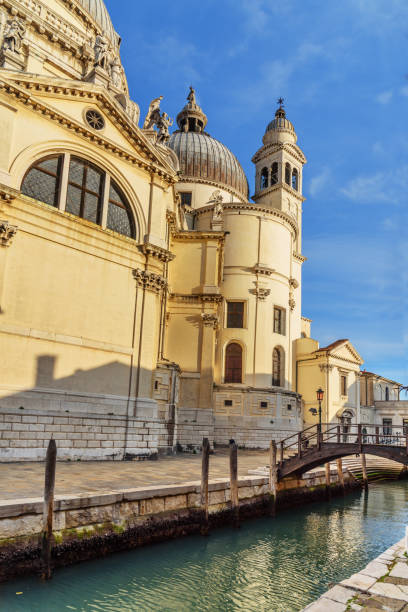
<point x="264" y="178"/>
<point x="295" y="179"/>
<point x="274" y="173"/>
<point x="287" y="174"/>
<point x="387" y="394"/>
<point x="277" y="368"/>
<point x="233" y="363"/>
<point x="90" y="192"/>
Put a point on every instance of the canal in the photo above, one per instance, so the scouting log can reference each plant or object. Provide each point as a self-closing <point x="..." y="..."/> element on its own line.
<point x="277" y="565"/>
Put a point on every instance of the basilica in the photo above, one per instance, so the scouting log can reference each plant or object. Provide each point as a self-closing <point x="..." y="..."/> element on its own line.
<point x="147" y="299"/>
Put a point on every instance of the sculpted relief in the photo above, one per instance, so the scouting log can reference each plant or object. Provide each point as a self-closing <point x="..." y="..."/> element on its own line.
<point x="14" y="34"/>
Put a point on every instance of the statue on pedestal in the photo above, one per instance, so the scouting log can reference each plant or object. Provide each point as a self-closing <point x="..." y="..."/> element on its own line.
<point x="163" y="125"/>
<point x="13" y="36"/>
<point x="117" y="73"/>
<point x="153" y="114"/>
<point x="101" y="49"/>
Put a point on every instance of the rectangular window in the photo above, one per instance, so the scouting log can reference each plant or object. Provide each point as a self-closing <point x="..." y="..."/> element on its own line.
<point x="264" y="404"/>
<point x="279" y="315"/>
<point x="387" y="427"/>
<point x="405" y="426"/>
<point x="227" y="402"/>
<point x="289" y="406"/>
<point x="186" y="198"/>
<point x="235" y="314"/>
<point x="343" y="385"/>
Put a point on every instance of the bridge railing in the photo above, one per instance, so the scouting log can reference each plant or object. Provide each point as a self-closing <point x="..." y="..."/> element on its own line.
<point x="339" y="433"/>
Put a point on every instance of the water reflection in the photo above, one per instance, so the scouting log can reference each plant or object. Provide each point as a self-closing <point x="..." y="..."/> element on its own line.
<point x="277" y="564"/>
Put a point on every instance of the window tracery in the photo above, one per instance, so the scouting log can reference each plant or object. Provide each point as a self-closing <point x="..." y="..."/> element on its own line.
<point x="90" y="193"/>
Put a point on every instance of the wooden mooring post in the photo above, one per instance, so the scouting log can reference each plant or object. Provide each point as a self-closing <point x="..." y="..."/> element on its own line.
<point x="273" y="475"/>
<point x="234" y="483"/>
<point x="328" y="491"/>
<point x="364" y="468"/>
<point x="48" y="513"/>
<point x="205" y="466"/>
<point x="340" y="474"/>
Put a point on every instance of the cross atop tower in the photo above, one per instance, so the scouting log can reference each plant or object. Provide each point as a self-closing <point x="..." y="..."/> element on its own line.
<point x="281" y="102"/>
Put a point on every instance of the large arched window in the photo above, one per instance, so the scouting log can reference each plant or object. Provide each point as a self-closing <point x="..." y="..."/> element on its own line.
<point x="264" y="178"/>
<point x="295" y="179"/>
<point x="233" y="363"/>
<point x="89" y="191"/>
<point x="277" y="367"/>
<point x="288" y="174"/>
<point x="274" y="173"/>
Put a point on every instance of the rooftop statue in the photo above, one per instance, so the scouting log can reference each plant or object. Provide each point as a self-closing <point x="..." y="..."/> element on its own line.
<point x="164" y="123"/>
<point x="117" y="73"/>
<point x="101" y="50"/>
<point x="192" y="96"/>
<point x="13" y="36"/>
<point x="153" y="114"/>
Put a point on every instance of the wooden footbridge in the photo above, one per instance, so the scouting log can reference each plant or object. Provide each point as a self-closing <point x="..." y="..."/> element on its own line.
<point x="320" y="444"/>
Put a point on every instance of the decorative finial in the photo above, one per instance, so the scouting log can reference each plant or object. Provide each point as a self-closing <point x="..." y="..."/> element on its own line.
<point x="281" y="102"/>
<point x="192" y="95"/>
<point x="280" y="113"/>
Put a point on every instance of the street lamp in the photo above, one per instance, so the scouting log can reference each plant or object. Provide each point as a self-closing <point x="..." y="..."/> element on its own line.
<point x="320" y="394"/>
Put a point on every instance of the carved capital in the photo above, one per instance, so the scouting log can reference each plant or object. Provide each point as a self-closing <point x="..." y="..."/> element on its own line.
<point x="149" y="280"/>
<point x="7" y="233"/>
<point x="326" y="367"/>
<point x="261" y="293"/>
<point x="210" y="320"/>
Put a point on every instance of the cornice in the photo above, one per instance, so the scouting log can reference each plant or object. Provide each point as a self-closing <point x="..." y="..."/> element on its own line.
<point x="276" y="187"/>
<point x="21" y="89"/>
<point x="193" y="235"/>
<point x="204" y="181"/>
<point x="8" y="194"/>
<point x="269" y="149"/>
<point x="190" y="298"/>
<point x="152" y="250"/>
<point x="249" y="207"/>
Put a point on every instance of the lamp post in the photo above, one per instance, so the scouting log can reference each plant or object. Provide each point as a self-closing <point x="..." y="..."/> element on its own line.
<point x="320" y="394"/>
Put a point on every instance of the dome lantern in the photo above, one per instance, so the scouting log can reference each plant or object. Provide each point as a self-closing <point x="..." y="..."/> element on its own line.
<point x="280" y="129"/>
<point x="204" y="159"/>
<point x="191" y="118"/>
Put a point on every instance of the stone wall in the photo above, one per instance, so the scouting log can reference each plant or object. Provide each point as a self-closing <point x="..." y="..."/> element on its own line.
<point x="24" y="436"/>
<point x="193" y="426"/>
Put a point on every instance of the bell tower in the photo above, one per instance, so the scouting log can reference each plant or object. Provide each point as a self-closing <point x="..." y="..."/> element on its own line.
<point x="279" y="167"/>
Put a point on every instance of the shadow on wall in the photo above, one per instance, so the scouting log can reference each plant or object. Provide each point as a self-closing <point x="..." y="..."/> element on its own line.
<point x="105" y="389"/>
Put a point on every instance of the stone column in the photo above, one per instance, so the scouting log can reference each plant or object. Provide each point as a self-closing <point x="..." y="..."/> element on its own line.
<point x="210" y="325"/>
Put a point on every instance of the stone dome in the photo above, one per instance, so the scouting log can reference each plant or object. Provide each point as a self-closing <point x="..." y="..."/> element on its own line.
<point x="280" y="129"/>
<point x="99" y="13"/>
<point x="203" y="157"/>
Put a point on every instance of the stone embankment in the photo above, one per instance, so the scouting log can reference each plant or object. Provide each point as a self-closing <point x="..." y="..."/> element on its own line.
<point x="382" y="585"/>
<point x="93" y="525"/>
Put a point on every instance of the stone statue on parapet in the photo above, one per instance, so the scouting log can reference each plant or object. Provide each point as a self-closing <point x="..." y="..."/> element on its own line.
<point x="13" y="36"/>
<point x="101" y="50"/>
<point x="192" y="95"/>
<point x="153" y="114"/>
<point x="163" y="125"/>
<point x="218" y="205"/>
<point x="117" y="73"/>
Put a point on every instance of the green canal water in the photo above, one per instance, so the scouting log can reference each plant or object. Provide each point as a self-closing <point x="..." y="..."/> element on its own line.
<point x="279" y="565"/>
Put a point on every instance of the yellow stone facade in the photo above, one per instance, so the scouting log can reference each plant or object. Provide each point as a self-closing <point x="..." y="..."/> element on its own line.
<point x="139" y="327"/>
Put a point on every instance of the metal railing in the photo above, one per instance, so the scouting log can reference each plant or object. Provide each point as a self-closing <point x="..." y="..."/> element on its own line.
<point x="328" y="433"/>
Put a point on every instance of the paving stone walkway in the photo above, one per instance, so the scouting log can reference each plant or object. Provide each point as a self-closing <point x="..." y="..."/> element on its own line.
<point x="382" y="585"/>
<point x="26" y="480"/>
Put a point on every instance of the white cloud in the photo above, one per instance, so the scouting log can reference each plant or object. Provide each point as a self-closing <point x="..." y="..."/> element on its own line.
<point x="319" y="182"/>
<point x="385" y="97"/>
<point x="382" y="187"/>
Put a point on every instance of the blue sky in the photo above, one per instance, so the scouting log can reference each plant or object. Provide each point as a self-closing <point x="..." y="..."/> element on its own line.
<point x="342" y="68"/>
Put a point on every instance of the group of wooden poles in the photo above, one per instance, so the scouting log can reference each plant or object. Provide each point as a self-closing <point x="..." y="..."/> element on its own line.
<point x="49" y="488"/>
